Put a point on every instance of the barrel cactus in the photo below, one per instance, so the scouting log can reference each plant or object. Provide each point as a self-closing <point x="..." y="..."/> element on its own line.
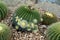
<point x="49" y="18"/>
<point x="5" y="32"/>
<point x="53" y="31"/>
<point x="3" y="10"/>
<point x="25" y="15"/>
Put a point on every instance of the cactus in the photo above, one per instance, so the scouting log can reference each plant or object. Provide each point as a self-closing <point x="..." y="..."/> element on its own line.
<point x="5" y="32"/>
<point x="49" y="18"/>
<point x="25" y="18"/>
<point x="53" y="31"/>
<point x="27" y="13"/>
<point x="3" y="10"/>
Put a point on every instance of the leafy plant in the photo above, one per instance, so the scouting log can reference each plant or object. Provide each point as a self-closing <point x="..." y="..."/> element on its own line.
<point x="5" y="32"/>
<point x="49" y="18"/>
<point x="3" y="10"/>
<point x="53" y="32"/>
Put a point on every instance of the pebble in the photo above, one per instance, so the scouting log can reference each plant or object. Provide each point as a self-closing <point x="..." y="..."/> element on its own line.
<point x="43" y="26"/>
<point x="42" y="38"/>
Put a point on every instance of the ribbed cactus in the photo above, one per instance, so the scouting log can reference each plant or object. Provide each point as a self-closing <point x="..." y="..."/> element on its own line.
<point x="53" y="32"/>
<point x="3" y="10"/>
<point x="27" y="13"/>
<point x="25" y="18"/>
<point x="49" y="18"/>
<point x="5" y="32"/>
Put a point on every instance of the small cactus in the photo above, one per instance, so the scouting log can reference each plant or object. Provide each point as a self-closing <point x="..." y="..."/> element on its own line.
<point x="27" y="13"/>
<point x="53" y="31"/>
<point x="26" y="18"/>
<point x="49" y="18"/>
<point x="5" y="32"/>
<point x="3" y="10"/>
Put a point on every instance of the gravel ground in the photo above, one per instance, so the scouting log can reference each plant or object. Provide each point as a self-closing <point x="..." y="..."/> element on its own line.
<point x="54" y="8"/>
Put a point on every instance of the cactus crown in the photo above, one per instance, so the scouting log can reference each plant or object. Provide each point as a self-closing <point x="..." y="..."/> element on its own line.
<point x="27" y="13"/>
<point x="53" y="32"/>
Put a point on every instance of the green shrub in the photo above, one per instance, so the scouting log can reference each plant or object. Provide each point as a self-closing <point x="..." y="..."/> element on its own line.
<point x="53" y="31"/>
<point x="5" y="32"/>
<point x="3" y="10"/>
<point x="49" y="18"/>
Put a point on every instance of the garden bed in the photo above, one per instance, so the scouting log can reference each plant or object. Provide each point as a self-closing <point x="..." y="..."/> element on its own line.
<point x="18" y="35"/>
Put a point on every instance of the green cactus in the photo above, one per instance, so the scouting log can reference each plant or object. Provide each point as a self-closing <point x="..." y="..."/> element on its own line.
<point x="49" y="18"/>
<point x="5" y="32"/>
<point x="53" y="31"/>
<point x="3" y="10"/>
<point x="25" y="18"/>
<point x="27" y="13"/>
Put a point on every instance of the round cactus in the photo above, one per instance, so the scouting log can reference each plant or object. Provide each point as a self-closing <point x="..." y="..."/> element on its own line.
<point x="25" y="18"/>
<point x="5" y="32"/>
<point x="3" y="10"/>
<point x="49" y="18"/>
<point x="27" y="13"/>
<point x="53" y="31"/>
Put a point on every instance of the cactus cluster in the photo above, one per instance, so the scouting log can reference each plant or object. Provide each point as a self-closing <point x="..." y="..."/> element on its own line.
<point x="53" y="32"/>
<point x="5" y="32"/>
<point x="3" y="10"/>
<point x="26" y="17"/>
<point x="49" y="18"/>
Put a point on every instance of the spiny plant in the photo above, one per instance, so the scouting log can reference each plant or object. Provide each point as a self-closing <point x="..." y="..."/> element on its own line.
<point x="49" y="18"/>
<point x="3" y="10"/>
<point x="5" y="32"/>
<point x="53" y="31"/>
<point x="27" y="13"/>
